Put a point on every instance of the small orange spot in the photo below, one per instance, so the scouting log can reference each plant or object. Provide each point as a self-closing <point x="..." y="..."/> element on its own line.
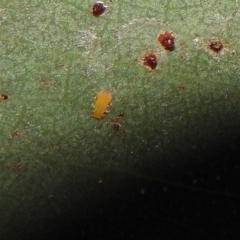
<point x="104" y="98"/>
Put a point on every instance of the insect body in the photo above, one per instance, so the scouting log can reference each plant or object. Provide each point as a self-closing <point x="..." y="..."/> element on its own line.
<point x="150" y="60"/>
<point x="104" y="97"/>
<point x="98" y="8"/>
<point x="167" y="40"/>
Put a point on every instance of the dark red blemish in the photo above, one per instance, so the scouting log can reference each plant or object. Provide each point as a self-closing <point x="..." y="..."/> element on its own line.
<point x="98" y="8"/>
<point x="150" y="60"/>
<point x="117" y="127"/>
<point x="4" y="96"/>
<point x="167" y="40"/>
<point x="215" y="45"/>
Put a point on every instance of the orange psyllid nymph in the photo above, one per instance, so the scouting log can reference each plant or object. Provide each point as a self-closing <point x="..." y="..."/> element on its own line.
<point x="104" y="97"/>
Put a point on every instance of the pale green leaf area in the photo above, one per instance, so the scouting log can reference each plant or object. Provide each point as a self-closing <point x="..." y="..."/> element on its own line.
<point x="55" y="56"/>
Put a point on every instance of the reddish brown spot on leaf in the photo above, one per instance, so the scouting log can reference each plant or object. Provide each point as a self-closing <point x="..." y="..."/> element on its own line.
<point x="117" y="127"/>
<point x="183" y="56"/>
<point x="15" y="133"/>
<point x="116" y="122"/>
<point x="45" y="82"/>
<point x="166" y="39"/>
<point x="121" y="114"/>
<point x="98" y="8"/>
<point x="215" y="45"/>
<point x="181" y="88"/>
<point x="4" y="96"/>
<point x="18" y="165"/>
<point x="150" y="60"/>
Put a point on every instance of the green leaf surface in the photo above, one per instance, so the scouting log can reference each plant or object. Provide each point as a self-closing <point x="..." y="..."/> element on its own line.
<point x="55" y="56"/>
